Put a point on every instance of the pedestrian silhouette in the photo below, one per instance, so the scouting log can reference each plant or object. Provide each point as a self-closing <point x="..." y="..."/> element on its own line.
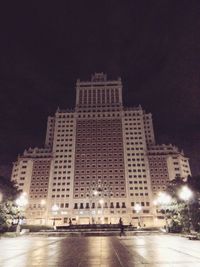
<point x="121" y="225"/>
<point x="70" y="222"/>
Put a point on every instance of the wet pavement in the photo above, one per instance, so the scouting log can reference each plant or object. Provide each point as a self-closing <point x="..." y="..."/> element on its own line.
<point x="150" y="250"/>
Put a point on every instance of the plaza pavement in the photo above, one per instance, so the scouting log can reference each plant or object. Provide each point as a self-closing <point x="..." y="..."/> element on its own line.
<point x="143" y="250"/>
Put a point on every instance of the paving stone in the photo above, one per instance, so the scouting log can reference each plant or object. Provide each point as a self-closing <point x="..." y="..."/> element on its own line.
<point x="151" y="251"/>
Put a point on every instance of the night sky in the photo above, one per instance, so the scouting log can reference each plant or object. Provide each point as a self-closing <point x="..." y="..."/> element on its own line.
<point x="153" y="45"/>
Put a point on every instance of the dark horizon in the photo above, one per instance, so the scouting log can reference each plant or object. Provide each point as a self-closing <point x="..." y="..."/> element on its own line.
<point x="153" y="47"/>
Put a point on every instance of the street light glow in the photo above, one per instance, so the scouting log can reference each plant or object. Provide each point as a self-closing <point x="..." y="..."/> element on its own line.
<point x="163" y="199"/>
<point x="185" y="193"/>
<point x="95" y="192"/>
<point x="22" y="201"/>
<point x="101" y="201"/>
<point x="137" y="208"/>
<point x="43" y="202"/>
<point x="55" y="208"/>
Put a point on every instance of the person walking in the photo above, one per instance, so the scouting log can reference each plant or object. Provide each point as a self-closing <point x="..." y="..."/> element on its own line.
<point x="121" y="225"/>
<point x="70" y="222"/>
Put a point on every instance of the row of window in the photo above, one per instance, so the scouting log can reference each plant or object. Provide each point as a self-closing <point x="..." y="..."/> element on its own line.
<point x="61" y="178"/>
<point x="138" y="194"/>
<point x="35" y="190"/>
<point x="38" y="184"/>
<point x="135" y="159"/>
<point x="63" y="145"/>
<point x="62" y="166"/>
<point x="65" y="126"/>
<point x="101" y="177"/>
<point x="135" y="154"/>
<point x="101" y="115"/>
<point x="96" y="159"/>
<point x="104" y="182"/>
<point x="64" y="115"/>
<point x="97" y="145"/>
<point x="101" y="150"/>
<point x="65" y="121"/>
<point x="82" y="195"/>
<point x="36" y="196"/>
<point x="40" y="178"/>
<point x="138" y="164"/>
<point x="64" y="150"/>
<point x="137" y="182"/>
<point x="60" y="196"/>
<point x="94" y="205"/>
<point x="116" y="188"/>
<point x="100" y="165"/>
<point x="143" y="204"/>
<point x="60" y="189"/>
<point x="94" y="171"/>
<point x="138" y="188"/>
<point x="137" y="176"/>
<point x="134" y="143"/>
<point x="62" y="156"/>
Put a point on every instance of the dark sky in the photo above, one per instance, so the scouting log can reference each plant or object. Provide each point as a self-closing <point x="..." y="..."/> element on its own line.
<point x="153" y="45"/>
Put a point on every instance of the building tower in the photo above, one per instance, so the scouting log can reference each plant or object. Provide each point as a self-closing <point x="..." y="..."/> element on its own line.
<point x="98" y="161"/>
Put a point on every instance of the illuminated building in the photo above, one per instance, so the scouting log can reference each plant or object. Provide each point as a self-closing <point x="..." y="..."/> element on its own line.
<point x="98" y="162"/>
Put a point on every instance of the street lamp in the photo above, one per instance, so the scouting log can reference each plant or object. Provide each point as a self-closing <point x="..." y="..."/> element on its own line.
<point x="101" y="202"/>
<point x="44" y="210"/>
<point x="138" y="209"/>
<point x="1" y="197"/>
<point x="99" y="197"/>
<point x="163" y="200"/>
<point x="54" y="209"/>
<point x="186" y="194"/>
<point x="95" y="192"/>
<point x="22" y="202"/>
<point x="43" y="202"/>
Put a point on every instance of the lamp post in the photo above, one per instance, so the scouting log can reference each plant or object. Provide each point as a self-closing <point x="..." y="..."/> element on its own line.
<point x="186" y="194"/>
<point x="92" y="199"/>
<point x="54" y="209"/>
<point x="164" y="200"/>
<point x="138" y="209"/>
<point x="43" y="206"/>
<point x="100" y="195"/>
<point x="43" y="202"/>
<point x="101" y="202"/>
<point x="22" y="202"/>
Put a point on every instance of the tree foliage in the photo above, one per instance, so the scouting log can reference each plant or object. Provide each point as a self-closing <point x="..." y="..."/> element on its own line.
<point x="8" y="189"/>
<point x="8" y="210"/>
<point x="185" y="214"/>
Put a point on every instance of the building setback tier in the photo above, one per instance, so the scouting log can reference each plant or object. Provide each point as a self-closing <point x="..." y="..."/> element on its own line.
<point x="100" y="161"/>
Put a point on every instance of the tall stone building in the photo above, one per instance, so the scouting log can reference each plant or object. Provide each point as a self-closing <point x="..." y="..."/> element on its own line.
<point x="99" y="161"/>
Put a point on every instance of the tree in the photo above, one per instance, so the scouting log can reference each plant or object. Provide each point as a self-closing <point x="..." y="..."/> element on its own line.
<point x="8" y="210"/>
<point x="182" y="213"/>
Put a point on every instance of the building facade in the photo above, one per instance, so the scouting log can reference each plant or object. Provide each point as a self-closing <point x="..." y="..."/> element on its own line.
<point x="99" y="162"/>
